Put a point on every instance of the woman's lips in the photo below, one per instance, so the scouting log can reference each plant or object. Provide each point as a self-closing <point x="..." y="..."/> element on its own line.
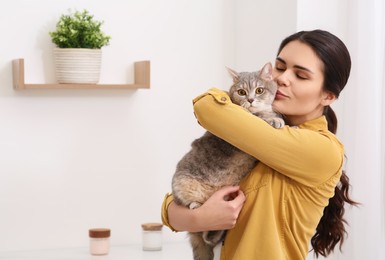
<point x="280" y="95"/>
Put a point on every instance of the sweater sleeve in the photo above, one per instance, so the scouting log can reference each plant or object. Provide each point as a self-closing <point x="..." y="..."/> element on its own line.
<point x="295" y="152"/>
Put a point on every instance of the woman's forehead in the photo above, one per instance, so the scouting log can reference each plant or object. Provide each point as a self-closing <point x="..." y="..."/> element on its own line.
<point x="299" y="54"/>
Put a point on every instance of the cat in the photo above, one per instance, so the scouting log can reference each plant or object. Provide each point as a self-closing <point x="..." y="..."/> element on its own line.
<point x="213" y="163"/>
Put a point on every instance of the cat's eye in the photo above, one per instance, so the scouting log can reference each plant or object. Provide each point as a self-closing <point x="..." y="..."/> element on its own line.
<point x="259" y="91"/>
<point x="241" y="92"/>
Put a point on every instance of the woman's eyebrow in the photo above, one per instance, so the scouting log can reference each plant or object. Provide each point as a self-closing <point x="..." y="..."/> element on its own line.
<point x="295" y="66"/>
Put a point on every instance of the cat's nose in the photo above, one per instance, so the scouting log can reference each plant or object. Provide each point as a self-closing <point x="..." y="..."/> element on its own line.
<point x="251" y="100"/>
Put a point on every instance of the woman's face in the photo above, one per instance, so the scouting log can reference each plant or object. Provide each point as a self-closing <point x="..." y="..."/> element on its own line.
<point x="299" y="75"/>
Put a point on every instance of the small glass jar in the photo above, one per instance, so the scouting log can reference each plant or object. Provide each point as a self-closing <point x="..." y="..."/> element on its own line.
<point x="99" y="241"/>
<point x="152" y="236"/>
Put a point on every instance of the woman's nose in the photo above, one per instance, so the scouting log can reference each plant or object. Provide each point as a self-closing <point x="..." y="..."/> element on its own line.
<point x="282" y="79"/>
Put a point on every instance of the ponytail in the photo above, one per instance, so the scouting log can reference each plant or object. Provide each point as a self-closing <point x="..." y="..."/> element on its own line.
<point x="331" y="118"/>
<point x="331" y="228"/>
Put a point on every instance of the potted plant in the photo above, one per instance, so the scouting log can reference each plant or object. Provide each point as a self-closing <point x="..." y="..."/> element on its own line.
<point x="79" y="39"/>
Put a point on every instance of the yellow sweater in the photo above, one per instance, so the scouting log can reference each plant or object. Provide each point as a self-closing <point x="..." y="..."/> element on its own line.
<point x="286" y="192"/>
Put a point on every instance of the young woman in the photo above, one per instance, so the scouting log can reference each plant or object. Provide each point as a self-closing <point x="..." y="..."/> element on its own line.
<point x="295" y="195"/>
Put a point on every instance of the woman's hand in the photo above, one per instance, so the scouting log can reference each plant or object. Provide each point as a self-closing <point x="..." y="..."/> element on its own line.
<point x="219" y="212"/>
<point x="222" y="209"/>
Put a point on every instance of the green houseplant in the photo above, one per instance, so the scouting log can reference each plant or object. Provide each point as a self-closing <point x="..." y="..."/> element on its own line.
<point x="79" y="30"/>
<point x="79" y="39"/>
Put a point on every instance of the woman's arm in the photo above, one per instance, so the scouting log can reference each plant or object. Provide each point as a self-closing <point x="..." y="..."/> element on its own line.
<point x="296" y="153"/>
<point x="215" y="214"/>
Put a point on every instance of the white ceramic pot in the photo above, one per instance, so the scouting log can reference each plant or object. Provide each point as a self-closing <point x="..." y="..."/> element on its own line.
<point x="77" y="65"/>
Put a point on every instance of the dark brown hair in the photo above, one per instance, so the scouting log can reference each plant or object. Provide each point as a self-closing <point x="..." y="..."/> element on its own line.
<point x="336" y="59"/>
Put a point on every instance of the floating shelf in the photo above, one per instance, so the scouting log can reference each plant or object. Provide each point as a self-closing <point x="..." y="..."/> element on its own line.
<point x="142" y="79"/>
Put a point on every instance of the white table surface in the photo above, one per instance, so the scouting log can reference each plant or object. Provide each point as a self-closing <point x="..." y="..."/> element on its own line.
<point x="170" y="251"/>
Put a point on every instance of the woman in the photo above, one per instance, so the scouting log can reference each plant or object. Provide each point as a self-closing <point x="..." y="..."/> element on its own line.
<point x="296" y="194"/>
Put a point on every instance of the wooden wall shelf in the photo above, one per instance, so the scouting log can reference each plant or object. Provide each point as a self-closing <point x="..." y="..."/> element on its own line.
<point x="141" y="73"/>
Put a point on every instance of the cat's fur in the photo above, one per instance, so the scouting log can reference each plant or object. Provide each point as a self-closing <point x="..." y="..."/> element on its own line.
<point x="213" y="163"/>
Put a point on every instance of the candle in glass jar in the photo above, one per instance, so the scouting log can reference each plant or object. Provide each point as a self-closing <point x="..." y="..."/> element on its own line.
<point x="152" y="236"/>
<point x="99" y="241"/>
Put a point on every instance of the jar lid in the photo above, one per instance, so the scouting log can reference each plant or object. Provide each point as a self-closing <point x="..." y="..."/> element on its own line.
<point x="99" y="232"/>
<point x="152" y="226"/>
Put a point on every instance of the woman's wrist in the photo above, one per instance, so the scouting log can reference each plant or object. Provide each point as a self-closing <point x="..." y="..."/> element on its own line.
<point x="182" y="218"/>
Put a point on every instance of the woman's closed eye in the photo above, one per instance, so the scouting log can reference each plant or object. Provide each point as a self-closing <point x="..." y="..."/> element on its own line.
<point x="279" y="66"/>
<point x="302" y="75"/>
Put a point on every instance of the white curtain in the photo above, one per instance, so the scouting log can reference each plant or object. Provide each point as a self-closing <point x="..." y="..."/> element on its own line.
<point x="363" y="129"/>
<point x="361" y="114"/>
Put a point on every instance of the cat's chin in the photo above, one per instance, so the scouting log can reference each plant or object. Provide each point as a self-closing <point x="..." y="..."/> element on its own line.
<point x="254" y="110"/>
<point x="246" y="105"/>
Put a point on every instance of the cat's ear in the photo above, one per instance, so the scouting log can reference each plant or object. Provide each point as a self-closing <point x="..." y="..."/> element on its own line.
<point x="267" y="72"/>
<point x="233" y="74"/>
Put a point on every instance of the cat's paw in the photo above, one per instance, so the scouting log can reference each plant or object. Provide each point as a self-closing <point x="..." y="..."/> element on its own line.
<point x="212" y="238"/>
<point x="194" y="205"/>
<point x="277" y="122"/>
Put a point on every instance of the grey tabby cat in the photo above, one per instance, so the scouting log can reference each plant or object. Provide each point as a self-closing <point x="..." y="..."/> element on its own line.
<point x="213" y="163"/>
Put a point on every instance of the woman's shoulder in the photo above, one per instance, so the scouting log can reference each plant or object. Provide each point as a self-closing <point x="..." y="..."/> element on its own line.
<point x="320" y="125"/>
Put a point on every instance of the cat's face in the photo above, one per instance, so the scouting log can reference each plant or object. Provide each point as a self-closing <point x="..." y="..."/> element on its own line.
<point x="253" y="90"/>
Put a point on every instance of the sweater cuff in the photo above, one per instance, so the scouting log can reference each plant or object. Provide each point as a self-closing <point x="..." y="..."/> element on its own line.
<point x="220" y="96"/>
<point x="168" y="198"/>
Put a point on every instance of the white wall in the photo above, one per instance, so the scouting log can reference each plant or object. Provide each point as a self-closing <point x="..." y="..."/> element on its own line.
<point x="75" y="159"/>
<point x="260" y="27"/>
